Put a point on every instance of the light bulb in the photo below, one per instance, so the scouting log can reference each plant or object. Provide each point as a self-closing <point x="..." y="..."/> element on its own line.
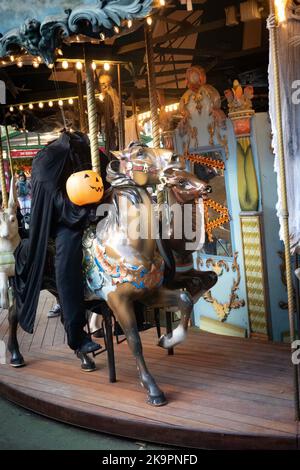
<point x="60" y="103"/>
<point x="60" y="52"/>
<point x="162" y="3"/>
<point x="149" y="20"/>
<point x="70" y="101"/>
<point x="50" y="104"/>
<point x="12" y="58"/>
<point x="106" y="66"/>
<point x="11" y="108"/>
<point x="50" y="66"/>
<point x="78" y="65"/>
<point x="65" y="64"/>
<point x="31" y="106"/>
<point x="39" y="59"/>
<point x="116" y="29"/>
<point x="129" y="23"/>
<point x="20" y="63"/>
<point x="94" y="66"/>
<point x="101" y="97"/>
<point x="35" y="64"/>
<point x="21" y="107"/>
<point x="41" y="105"/>
<point x="102" y="36"/>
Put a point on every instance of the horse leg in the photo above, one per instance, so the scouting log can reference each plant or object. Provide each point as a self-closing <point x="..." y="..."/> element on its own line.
<point x="124" y="311"/>
<point x="174" y="298"/>
<point x="195" y="282"/>
<point x="16" y="359"/>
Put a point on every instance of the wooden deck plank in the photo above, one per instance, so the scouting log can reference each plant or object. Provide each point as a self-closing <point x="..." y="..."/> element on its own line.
<point x="222" y="392"/>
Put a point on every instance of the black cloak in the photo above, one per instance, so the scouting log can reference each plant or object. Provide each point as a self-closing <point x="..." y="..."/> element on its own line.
<point x="50" y="206"/>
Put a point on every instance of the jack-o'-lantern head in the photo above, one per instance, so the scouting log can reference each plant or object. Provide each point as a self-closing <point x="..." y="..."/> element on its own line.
<point x="85" y="187"/>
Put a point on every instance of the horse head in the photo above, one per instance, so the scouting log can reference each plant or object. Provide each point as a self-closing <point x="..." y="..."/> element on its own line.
<point x="144" y="164"/>
<point x="185" y="186"/>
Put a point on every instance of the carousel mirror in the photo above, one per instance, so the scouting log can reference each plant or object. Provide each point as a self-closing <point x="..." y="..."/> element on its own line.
<point x="210" y="167"/>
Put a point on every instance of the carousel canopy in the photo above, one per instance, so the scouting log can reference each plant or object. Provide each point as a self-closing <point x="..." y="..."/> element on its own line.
<point x="228" y="38"/>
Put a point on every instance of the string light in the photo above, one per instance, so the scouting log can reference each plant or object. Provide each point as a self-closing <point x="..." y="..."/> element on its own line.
<point x="106" y="66"/>
<point x="41" y="105"/>
<point x="60" y="103"/>
<point x="50" y="104"/>
<point x="129" y="24"/>
<point x="78" y="65"/>
<point x="71" y="101"/>
<point x="149" y="20"/>
<point x="116" y="29"/>
<point x="65" y="64"/>
<point x="21" y="107"/>
<point x="94" y="66"/>
<point x="30" y="106"/>
<point x="11" y="108"/>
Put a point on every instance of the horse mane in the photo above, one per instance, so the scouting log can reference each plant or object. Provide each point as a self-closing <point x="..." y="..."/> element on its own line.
<point x="122" y="185"/>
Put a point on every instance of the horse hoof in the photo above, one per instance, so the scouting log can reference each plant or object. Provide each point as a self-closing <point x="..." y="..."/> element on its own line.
<point x="88" y="367"/>
<point x="159" y="400"/>
<point x="166" y="341"/>
<point x="17" y="362"/>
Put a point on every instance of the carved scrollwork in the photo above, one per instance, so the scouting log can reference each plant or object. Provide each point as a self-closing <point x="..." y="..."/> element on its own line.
<point x="42" y="39"/>
<point x="234" y="302"/>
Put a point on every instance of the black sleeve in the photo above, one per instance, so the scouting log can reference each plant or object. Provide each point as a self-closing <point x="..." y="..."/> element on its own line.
<point x="68" y="213"/>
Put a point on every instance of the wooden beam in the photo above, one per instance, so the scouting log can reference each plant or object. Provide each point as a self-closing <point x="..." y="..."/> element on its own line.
<point x="191" y="52"/>
<point x="184" y="31"/>
<point x="191" y="29"/>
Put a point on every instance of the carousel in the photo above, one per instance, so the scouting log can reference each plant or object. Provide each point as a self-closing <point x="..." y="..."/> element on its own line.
<point x="139" y="195"/>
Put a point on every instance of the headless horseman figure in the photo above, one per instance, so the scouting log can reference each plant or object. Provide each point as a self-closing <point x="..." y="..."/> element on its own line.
<point x="53" y="216"/>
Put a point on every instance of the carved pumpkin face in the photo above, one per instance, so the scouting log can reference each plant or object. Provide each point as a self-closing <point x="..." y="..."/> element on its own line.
<point x="85" y="187"/>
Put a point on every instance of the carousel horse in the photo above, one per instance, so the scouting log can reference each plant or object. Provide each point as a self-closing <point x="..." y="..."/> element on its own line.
<point x="122" y="267"/>
<point x="9" y="240"/>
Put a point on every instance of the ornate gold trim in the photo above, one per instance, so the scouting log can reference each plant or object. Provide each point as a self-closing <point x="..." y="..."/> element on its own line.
<point x="223" y="309"/>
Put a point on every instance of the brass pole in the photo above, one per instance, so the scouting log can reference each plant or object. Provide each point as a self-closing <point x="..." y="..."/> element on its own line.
<point x="92" y="115"/>
<point x="2" y="177"/>
<point x="152" y="86"/>
<point x="81" y="102"/>
<point x="9" y="152"/>
<point x="283" y="190"/>
<point x="121" y="117"/>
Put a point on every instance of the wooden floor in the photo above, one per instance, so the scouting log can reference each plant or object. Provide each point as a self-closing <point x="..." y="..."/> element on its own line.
<point x="222" y="392"/>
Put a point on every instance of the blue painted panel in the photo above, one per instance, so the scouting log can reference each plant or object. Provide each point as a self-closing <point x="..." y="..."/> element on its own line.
<point x="222" y="289"/>
<point x="263" y="160"/>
